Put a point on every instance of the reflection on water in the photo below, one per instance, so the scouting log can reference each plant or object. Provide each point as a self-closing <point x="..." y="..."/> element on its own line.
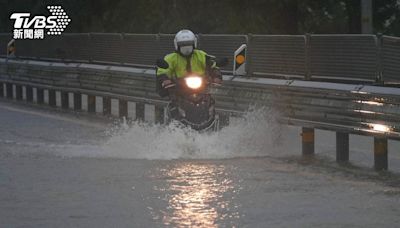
<point x="200" y="195"/>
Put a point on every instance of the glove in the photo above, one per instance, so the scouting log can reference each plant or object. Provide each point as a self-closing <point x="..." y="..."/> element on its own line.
<point x="166" y="84"/>
<point x="163" y="83"/>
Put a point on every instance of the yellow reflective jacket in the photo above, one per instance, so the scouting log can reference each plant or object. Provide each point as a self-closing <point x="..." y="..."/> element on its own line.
<point x="178" y="67"/>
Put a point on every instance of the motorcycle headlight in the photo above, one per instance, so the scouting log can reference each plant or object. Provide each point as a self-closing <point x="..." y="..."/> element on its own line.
<point x="194" y="82"/>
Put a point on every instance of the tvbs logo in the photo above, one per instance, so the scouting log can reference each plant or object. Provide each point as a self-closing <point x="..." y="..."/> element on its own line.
<point x="26" y="27"/>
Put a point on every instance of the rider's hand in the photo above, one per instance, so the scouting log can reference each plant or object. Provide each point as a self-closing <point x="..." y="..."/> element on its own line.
<point x="167" y="84"/>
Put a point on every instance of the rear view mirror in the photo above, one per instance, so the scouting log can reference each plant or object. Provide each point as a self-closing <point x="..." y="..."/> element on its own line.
<point x="161" y="63"/>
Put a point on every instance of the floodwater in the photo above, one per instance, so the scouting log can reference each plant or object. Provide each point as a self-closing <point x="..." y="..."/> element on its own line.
<point x="72" y="170"/>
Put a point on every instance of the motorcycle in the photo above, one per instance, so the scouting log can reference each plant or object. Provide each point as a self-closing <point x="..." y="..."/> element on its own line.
<point x="191" y="102"/>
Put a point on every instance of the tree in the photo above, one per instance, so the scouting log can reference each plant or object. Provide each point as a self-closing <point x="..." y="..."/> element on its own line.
<point x="210" y="16"/>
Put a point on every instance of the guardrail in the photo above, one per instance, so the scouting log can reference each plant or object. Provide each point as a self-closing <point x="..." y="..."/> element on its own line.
<point x="366" y="59"/>
<point x="126" y="91"/>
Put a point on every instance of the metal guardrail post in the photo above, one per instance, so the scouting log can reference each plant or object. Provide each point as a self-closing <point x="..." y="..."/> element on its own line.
<point x="77" y="101"/>
<point x="29" y="93"/>
<point x="64" y="100"/>
<point x="307" y="56"/>
<point x="14" y="91"/>
<point x="380" y="153"/>
<point x="52" y="97"/>
<point x="18" y="92"/>
<point x="379" y="67"/>
<point x="307" y="136"/>
<point x="342" y="147"/>
<point x="106" y="106"/>
<point x="249" y="39"/>
<point x="9" y="90"/>
<point x="123" y="108"/>
<point x="159" y="114"/>
<point x="91" y="103"/>
<point x="140" y="111"/>
<point x="40" y="95"/>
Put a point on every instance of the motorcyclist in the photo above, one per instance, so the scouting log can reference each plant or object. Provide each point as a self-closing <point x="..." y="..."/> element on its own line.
<point x="185" y="60"/>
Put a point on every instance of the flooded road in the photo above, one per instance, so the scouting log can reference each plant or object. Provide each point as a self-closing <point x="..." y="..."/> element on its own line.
<point x="67" y="170"/>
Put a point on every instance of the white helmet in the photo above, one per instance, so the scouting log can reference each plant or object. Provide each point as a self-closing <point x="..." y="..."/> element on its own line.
<point x="185" y="42"/>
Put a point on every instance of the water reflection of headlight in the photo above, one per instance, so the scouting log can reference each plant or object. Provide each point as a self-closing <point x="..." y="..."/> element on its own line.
<point x="199" y="196"/>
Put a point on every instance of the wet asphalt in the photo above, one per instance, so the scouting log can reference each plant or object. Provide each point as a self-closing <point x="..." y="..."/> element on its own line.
<point x="43" y="187"/>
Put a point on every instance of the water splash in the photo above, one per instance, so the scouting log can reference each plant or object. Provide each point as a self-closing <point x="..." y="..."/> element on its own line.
<point x="256" y="134"/>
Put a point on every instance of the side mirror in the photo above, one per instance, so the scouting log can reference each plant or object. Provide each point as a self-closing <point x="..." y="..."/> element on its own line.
<point x="161" y="63"/>
<point x="221" y="62"/>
